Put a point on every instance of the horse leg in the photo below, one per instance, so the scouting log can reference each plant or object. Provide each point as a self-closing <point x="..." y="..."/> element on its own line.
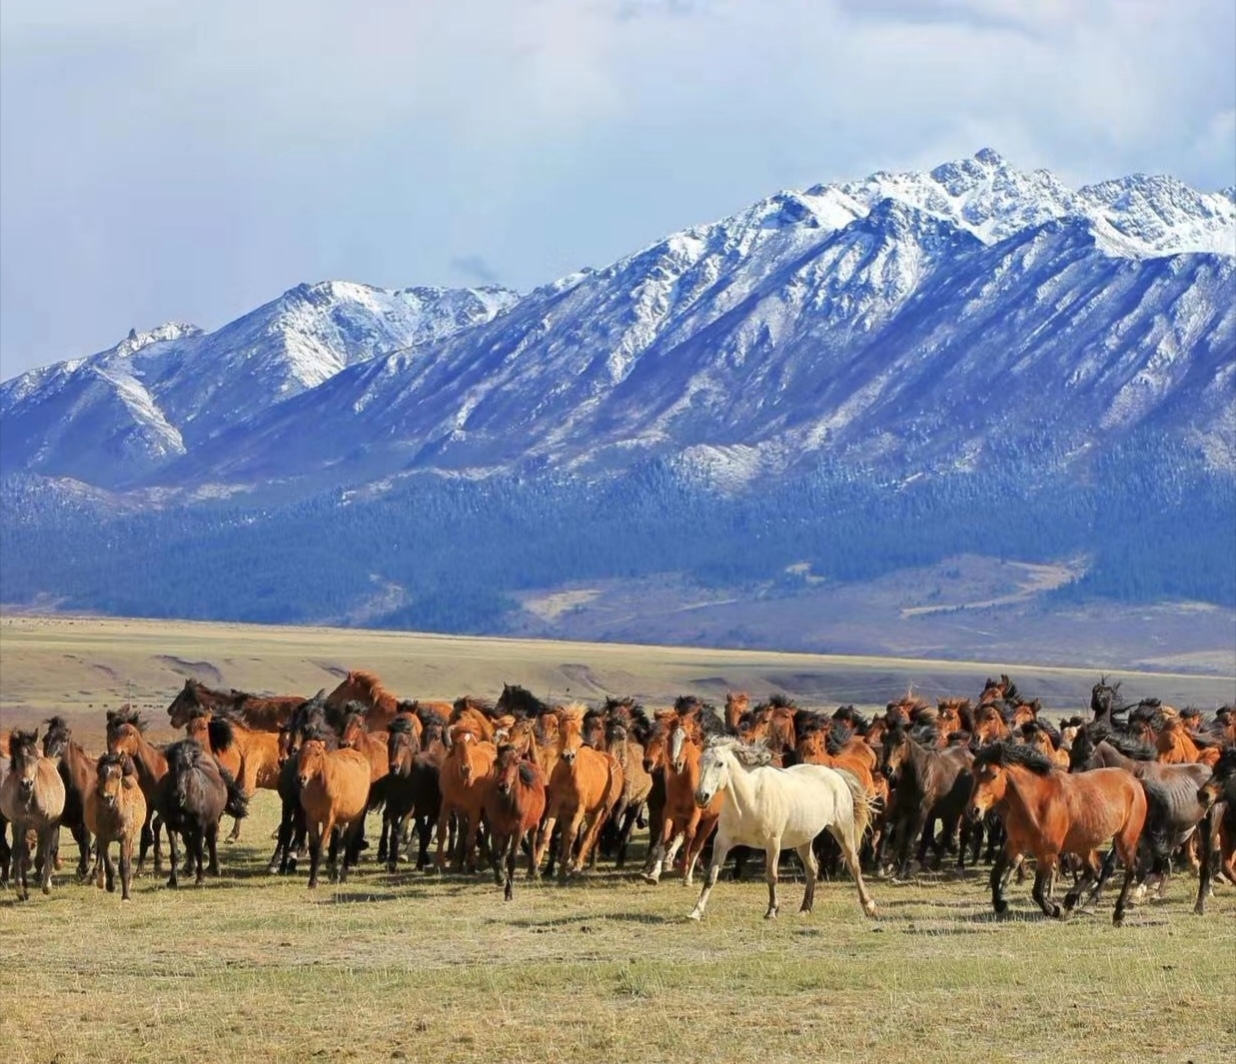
<point x="82" y="837"/>
<point x="806" y="854"/>
<point x="97" y="872"/>
<point x="199" y="855"/>
<point x="333" y="840"/>
<point x="1044" y="865"/>
<point x="107" y="873"/>
<point x="126" y="865"/>
<point x="998" y="902"/>
<point x="156" y="826"/>
<point x="21" y="861"/>
<point x="444" y="816"/>
<point x="849" y="853"/>
<point x="772" y="854"/>
<point x="656" y="859"/>
<point x="212" y="844"/>
<point x="46" y="855"/>
<point x="315" y="848"/>
<point x="720" y="850"/>
<point x="512" y="852"/>
<point x="147" y="840"/>
<point x="919" y="830"/>
<point x="630" y="816"/>
<point x="1205" y="867"/>
<point x="175" y="859"/>
<point x="567" y="842"/>
<point x="1126" y="843"/>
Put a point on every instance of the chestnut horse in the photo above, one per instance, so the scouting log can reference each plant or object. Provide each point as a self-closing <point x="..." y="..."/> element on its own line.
<point x="463" y="782"/>
<point x="365" y="687"/>
<point x="32" y="799"/>
<point x="685" y="823"/>
<point x="514" y="804"/>
<point x="126" y="735"/>
<point x="1049" y="813"/>
<point x="334" y="792"/>
<point x="115" y="812"/>
<point x="585" y="786"/>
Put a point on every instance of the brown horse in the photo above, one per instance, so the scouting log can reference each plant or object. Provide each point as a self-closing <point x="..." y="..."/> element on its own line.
<point x="125" y="735"/>
<point x="259" y="712"/>
<point x="365" y="687"/>
<point x="251" y="756"/>
<point x="77" y="770"/>
<point x="772" y="724"/>
<point x="623" y="734"/>
<point x="514" y="805"/>
<point x="463" y="780"/>
<point x="685" y="823"/>
<point x="115" y="812"/>
<point x="334" y="792"/>
<point x="1178" y="746"/>
<point x="737" y="703"/>
<point x="477" y="714"/>
<point x="32" y="800"/>
<point x="412" y="787"/>
<point x="1049" y="813"/>
<point x="585" y="786"/>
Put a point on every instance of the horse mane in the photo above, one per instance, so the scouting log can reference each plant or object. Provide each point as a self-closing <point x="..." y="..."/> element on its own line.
<point x="520" y="701"/>
<point x="528" y="773"/>
<point x="624" y="702"/>
<point x="1005" y="752"/>
<point x="807" y="722"/>
<point x="21" y="739"/>
<point x="1032" y="727"/>
<point x="400" y="725"/>
<point x="574" y="711"/>
<point x="370" y="682"/>
<point x="126" y="714"/>
<point x="780" y="701"/>
<point x="749" y="754"/>
<point x="853" y="718"/>
<point x="839" y="734"/>
<point x="221" y="733"/>
<point x="685" y="704"/>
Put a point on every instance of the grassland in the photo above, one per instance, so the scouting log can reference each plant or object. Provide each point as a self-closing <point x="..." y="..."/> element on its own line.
<point x="409" y="967"/>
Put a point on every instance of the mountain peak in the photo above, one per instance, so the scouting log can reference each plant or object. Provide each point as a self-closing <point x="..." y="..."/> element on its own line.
<point x="169" y="330"/>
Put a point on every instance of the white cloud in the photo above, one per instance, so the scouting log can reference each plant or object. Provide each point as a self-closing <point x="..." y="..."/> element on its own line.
<point x="163" y="160"/>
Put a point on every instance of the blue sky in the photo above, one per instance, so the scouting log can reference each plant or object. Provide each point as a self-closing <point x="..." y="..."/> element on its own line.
<point x="178" y="161"/>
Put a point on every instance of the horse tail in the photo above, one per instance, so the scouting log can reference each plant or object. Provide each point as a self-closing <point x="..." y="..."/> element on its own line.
<point x="863" y="809"/>
<point x="237" y="804"/>
<point x="1157" y="831"/>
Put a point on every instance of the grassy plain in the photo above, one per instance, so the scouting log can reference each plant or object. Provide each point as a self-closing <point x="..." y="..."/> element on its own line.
<point x="407" y="967"/>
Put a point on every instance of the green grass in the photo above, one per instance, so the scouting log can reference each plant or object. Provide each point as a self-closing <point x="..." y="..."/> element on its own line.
<point x="256" y="968"/>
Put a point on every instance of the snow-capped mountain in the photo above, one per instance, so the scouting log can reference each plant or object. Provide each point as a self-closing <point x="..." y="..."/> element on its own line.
<point x="126" y="411"/>
<point x="909" y="321"/>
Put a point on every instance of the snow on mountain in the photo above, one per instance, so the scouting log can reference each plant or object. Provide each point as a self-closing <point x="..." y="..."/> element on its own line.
<point x="125" y="411"/>
<point x="909" y="318"/>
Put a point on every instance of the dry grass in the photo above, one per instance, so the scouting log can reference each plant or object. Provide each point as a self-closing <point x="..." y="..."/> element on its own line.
<point x="251" y="967"/>
<point x="256" y="968"/>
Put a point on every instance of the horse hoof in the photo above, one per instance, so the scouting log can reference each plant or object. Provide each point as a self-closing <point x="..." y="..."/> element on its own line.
<point x="46" y="889"/>
<point x="648" y="877"/>
<point x="870" y="909"/>
<point x="695" y="915"/>
<point x="771" y="914"/>
<point x="1057" y="912"/>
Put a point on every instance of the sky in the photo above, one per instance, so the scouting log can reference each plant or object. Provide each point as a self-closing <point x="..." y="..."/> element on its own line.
<point x="189" y="161"/>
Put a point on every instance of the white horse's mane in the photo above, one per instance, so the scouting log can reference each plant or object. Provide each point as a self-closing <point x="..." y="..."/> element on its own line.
<point x="748" y="754"/>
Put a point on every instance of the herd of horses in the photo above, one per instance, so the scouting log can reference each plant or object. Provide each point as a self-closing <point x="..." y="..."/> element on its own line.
<point x="1138" y="785"/>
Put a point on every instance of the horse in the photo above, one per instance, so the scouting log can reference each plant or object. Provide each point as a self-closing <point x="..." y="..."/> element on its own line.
<point x="365" y="687"/>
<point x="1047" y="740"/>
<point x="514" y="804"/>
<point x="585" y="786"/>
<point x="310" y="718"/>
<point x="462" y="779"/>
<point x="32" y="799"/>
<point x="736" y="704"/>
<point x="477" y="714"/>
<point x="1218" y="797"/>
<point x="192" y="797"/>
<point x="412" y="785"/>
<point x="375" y="746"/>
<point x="126" y="735"/>
<point x="771" y="723"/>
<point x="774" y="808"/>
<point x="623" y="736"/>
<point x="334" y="792"/>
<point x="1178" y="746"/>
<point x="684" y="823"/>
<point x="251" y="756"/>
<point x="520" y="702"/>
<point x="259" y="712"/>
<point x="115" y="812"/>
<point x="928" y="784"/>
<point x="77" y="770"/>
<point x="1049" y="813"/>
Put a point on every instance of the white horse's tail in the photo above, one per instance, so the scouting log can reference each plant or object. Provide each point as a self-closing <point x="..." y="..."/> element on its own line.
<point x="863" y="808"/>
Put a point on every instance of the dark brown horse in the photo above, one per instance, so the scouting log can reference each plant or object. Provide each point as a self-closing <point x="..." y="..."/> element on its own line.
<point x="928" y="784"/>
<point x="412" y="788"/>
<point x="259" y="712"/>
<point x="193" y="795"/>
<point x="77" y="770"/>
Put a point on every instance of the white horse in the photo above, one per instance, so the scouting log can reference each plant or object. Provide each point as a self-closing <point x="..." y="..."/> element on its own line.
<point x="780" y="808"/>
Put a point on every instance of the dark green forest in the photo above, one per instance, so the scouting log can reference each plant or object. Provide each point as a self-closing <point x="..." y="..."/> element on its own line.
<point x="1157" y="523"/>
